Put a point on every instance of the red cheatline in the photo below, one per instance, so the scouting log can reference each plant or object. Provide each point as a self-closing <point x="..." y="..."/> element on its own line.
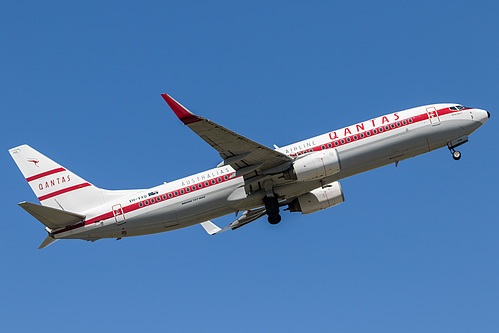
<point x="68" y="189"/>
<point x="43" y="174"/>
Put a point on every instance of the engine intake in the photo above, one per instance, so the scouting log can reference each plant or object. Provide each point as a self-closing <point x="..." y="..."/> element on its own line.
<point x="318" y="199"/>
<point x="315" y="165"/>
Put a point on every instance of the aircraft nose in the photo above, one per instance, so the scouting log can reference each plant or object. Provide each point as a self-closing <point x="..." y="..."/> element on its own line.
<point x="482" y="115"/>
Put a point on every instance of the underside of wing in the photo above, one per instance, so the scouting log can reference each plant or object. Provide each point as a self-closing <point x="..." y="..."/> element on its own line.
<point x="246" y="156"/>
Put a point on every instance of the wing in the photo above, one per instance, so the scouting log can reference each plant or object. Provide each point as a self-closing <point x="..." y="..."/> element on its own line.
<point x="247" y="157"/>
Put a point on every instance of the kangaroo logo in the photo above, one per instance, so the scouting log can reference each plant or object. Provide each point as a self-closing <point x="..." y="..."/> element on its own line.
<point x="35" y="161"/>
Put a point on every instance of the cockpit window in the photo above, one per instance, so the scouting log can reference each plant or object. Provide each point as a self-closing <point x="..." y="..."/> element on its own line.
<point x="457" y="108"/>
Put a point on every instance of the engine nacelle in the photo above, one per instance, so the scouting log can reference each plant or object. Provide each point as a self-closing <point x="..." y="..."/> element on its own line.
<point x="315" y="165"/>
<point x="318" y="199"/>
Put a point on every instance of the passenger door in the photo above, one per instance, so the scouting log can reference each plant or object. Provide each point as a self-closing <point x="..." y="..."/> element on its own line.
<point x="433" y="115"/>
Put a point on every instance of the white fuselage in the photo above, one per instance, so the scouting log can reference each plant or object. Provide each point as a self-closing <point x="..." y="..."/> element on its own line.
<point x="218" y="192"/>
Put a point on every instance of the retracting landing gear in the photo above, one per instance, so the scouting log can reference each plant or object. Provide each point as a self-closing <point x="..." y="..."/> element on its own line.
<point x="272" y="207"/>
<point x="456" y="155"/>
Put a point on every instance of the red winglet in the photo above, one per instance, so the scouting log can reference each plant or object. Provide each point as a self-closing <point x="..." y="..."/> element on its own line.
<point x="182" y="113"/>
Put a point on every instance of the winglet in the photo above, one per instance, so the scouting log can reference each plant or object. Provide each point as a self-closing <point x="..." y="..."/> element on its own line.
<point x="182" y="113"/>
<point x="210" y="227"/>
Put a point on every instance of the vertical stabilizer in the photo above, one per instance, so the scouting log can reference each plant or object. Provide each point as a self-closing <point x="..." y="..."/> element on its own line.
<point x="54" y="185"/>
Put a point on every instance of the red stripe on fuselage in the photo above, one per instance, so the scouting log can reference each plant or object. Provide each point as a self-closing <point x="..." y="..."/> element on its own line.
<point x="43" y="174"/>
<point x="338" y="142"/>
<point x="65" y="190"/>
<point x="135" y="206"/>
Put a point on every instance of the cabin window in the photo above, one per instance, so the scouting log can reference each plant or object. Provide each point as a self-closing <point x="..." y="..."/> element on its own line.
<point x="187" y="189"/>
<point x="323" y="147"/>
<point x="206" y="184"/>
<point x="410" y="120"/>
<point x="146" y="202"/>
<point x="170" y="195"/>
<point x="361" y="135"/>
<point x="193" y="187"/>
<point x="342" y="141"/>
<point x="375" y="131"/>
<point x="200" y="185"/>
<point x="392" y="125"/>
<point x="404" y="122"/>
<point x="330" y="145"/>
<point x="219" y="179"/>
<point x="141" y="204"/>
<point x="380" y="129"/>
<point x="336" y="143"/>
<point x="175" y="193"/>
<point x="355" y="137"/>
<point x="398" y="124"/>
<point x="368" y="133"/>
<point x="348" y="139"/>
<point x="164" y="196"/>
<point x="226" y="177"/>
<point x="182" y="191"/>
<point x="152" y="200"/>
<point x="158" y="199"/>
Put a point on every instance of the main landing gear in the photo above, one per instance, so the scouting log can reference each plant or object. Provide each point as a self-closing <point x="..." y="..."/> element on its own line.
<point x="272" y="207"/>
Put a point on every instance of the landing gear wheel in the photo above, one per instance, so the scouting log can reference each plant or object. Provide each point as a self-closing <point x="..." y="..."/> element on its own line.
<point x="272" y="207"/>
<point x="274" y="219"/>
<point x="456" y="155"/>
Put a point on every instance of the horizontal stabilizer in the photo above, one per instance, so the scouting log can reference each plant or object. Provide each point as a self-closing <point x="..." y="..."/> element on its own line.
<point x="49" y="240"/>
<point x="210" y="227"/>
<point x="51" y="217"/>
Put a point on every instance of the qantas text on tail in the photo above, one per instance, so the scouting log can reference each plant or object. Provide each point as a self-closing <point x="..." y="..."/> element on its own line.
<point x="251" y="178"/>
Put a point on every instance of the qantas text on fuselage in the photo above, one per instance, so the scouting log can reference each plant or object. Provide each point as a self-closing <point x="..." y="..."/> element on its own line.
<point x="252" y="178"/>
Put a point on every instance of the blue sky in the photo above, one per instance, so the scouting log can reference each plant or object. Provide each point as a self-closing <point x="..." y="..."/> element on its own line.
<point x="412" y="249"/>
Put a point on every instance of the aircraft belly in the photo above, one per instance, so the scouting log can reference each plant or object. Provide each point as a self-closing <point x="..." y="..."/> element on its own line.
<point x="438" y="136"/>
<point x="397" y="146"/>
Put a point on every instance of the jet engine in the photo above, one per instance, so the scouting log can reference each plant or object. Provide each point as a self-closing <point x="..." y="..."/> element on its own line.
<point x="321" y="198"/>
<point x="314" y="165"/>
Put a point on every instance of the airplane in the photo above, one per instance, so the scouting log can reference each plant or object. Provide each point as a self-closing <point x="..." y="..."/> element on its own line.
<point x="252" y="178"/>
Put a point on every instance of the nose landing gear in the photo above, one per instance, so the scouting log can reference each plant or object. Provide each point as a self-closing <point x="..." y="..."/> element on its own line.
<point x="456" y="155"/>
